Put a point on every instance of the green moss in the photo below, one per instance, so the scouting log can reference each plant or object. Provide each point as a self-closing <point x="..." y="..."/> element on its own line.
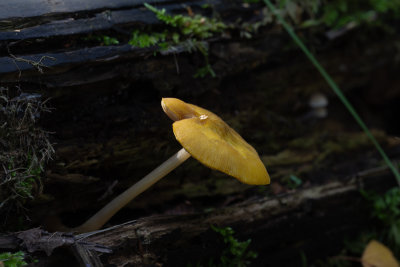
<point x="188" y="32"/>
<point x="196" y="26"/>
<point x="179" y="29"/>
<point x="236" y="253"/>
<point x="8" y="259"/>
<point x="102" y="39"/>
<point x="107" y="40"/>
<point x="143" y="40"/>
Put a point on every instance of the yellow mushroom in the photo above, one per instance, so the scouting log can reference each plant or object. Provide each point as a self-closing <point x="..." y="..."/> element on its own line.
<point x="212" y="142"/>
<point x="208" y="139"/>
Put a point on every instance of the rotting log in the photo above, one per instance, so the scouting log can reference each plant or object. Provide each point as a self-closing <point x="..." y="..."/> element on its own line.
<point x="281" y="229"/>
<point x="65" y="26"/>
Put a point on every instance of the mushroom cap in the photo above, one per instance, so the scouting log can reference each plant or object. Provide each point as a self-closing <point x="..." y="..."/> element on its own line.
<point x="318" y="100"/>
<point x="212" y="142"/>
<point x="377" y="254"/>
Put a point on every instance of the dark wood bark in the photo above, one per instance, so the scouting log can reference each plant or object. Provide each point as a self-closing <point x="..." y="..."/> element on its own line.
<point x="281" y="228"/>
<point x="305" y="221"/>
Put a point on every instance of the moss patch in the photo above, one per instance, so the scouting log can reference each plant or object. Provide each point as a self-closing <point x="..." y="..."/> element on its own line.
<point x="24" y="149"/>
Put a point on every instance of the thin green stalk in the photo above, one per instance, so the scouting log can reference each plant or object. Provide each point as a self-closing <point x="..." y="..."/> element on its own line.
<point x="334" y="87"/>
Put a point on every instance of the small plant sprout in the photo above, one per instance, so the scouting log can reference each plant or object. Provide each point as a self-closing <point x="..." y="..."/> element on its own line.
<point x="204" y="136"/>
<point x="236" y="252"/>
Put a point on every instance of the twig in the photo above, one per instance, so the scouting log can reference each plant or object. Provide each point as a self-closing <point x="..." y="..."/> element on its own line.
<point x="36" y="64"/>
<point x="83" y="236"/>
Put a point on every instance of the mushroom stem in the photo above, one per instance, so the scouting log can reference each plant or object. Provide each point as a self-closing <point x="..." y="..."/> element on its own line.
<point x="102" y="216"/>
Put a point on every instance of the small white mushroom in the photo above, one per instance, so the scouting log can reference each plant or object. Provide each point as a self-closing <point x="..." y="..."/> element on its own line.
<point x="319" y="103"/>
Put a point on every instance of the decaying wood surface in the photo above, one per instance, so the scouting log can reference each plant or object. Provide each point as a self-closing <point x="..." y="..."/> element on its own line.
<point x="281" y="228"/>
<point x="306" y="221"/>
<point x="64" y="25"/>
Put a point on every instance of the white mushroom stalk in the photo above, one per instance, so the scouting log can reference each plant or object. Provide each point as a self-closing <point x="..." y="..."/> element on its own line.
<point x="103" y="215"/>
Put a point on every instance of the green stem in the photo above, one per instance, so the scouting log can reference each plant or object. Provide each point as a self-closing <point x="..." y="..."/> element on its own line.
<point x="334" y="87"/>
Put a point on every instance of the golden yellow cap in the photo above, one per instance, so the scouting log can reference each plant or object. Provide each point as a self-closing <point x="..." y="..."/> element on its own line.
<point x="377" y="254"/>
<point x="212" y="142"/>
